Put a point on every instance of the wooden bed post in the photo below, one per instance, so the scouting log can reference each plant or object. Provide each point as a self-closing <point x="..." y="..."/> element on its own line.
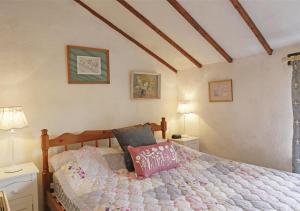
<point x="163" y="125"/>
<point x="45" y="173"/>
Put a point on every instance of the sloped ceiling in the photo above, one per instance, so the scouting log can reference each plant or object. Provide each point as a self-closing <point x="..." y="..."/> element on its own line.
<point x="278" y="21"/>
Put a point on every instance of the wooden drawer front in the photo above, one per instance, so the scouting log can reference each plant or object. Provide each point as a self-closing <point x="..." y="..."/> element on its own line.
<point x="18" y="189"/>
<point x="21" y="204"/>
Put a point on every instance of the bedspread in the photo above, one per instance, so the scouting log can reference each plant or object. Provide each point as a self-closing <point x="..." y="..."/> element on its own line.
<point x="203" y="182"/>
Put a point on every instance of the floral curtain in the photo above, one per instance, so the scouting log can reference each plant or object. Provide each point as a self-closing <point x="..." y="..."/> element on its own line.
<point x="296" y="113"/>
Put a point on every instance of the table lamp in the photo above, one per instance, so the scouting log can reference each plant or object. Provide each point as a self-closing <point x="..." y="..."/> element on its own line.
<point x="12" y="118"/>
<point x="184" y="108"/>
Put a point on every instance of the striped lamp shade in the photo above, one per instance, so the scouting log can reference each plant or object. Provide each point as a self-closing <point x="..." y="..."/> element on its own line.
<point x="12" y="118"/>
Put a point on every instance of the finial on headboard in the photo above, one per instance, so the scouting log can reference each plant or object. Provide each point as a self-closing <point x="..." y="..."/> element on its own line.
<point x="44" y="132"/>
<point x="45" y="139"/>
<point x="163" y="125"/>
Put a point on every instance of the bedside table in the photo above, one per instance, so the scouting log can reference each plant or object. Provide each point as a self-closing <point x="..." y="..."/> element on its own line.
<point x="21" y="187"/>
<point x="4" y="206"/>
<point x="190" y="141"/>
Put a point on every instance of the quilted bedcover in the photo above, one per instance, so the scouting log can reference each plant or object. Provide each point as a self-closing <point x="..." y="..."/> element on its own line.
<point x="203" y="182"/>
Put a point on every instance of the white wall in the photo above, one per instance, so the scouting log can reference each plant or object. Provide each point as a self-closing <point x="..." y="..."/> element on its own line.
<point x="33" y="74"/>
<point x="257" y="126"/>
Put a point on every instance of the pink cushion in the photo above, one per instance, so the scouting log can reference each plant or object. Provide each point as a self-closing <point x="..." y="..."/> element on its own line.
<point x="150" y="159"/>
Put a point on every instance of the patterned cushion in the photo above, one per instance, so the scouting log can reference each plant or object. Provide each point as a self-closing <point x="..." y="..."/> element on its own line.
<point x="133" y="136"/>
<point x="154" y="158"/>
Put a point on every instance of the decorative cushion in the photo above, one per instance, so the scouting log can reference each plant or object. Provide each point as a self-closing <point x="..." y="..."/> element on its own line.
<point x="154" y="158"/>
<point x="133" y="136"/>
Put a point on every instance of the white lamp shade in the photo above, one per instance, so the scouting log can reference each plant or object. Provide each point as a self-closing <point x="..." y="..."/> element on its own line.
<point x="12" y="118"/>
<point x="184" y="108"/>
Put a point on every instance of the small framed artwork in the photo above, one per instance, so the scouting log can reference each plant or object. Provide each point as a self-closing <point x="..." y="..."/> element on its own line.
<point x="87" y="65"/>
<point x="145" y="85"/>
<point x="220" y="91"/>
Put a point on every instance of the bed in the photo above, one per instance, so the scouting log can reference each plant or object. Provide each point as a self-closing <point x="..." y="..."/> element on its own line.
<point x="202" y="182"/>
<point x="67" y="139"/>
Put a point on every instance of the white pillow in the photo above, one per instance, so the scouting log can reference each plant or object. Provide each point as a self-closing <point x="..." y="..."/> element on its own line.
<point x="114" y="158"/>
<point x="109" y="151"/>
<point x="85" y="176"/>
<point x="60" y="159"/>
<point x="83" y="156"/>
<point x="85" y="169"/>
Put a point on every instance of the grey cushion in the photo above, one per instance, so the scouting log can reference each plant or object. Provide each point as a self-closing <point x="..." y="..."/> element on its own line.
<point x="133" y="136"/>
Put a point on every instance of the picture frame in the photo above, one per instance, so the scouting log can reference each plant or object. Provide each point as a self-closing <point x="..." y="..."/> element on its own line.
<point x="220" y="91"/>
<point x="145" y="85"/>
<point x="86" y="65"/>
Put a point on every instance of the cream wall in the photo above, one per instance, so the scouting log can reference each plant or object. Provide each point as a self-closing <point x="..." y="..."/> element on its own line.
<point x="33" y="74"/>
<point x="257" y="126"/>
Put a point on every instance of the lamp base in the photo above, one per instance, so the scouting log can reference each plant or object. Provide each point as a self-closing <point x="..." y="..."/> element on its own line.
<point x="12" y="169"/>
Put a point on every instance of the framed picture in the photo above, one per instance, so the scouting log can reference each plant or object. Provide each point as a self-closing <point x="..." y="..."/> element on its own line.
<point x="220" y="91"/>
<point x="87" y="65"/>
<point x="145" y="85"/>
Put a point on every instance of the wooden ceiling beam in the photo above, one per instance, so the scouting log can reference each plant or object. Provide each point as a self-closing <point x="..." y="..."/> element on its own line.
<point x="159" y="32"/>
<point x="127" y="36"/>
<point x="243" y="13"/>
<point x="177" y="6"/>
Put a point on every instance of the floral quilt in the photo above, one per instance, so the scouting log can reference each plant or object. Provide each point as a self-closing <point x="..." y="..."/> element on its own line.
<point x="202" y="182"/>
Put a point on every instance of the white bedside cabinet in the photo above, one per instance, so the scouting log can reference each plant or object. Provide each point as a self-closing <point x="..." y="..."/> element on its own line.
<point x="192" y="142"/>
<point x="20" y="188"/>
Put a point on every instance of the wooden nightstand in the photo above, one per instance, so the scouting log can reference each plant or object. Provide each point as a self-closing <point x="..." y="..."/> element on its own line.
<point x="192" y="142"/>
<point x="20" y="188"/>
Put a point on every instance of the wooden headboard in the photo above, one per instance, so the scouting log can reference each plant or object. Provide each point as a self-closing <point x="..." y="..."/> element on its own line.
<point x="67" y="139"/>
